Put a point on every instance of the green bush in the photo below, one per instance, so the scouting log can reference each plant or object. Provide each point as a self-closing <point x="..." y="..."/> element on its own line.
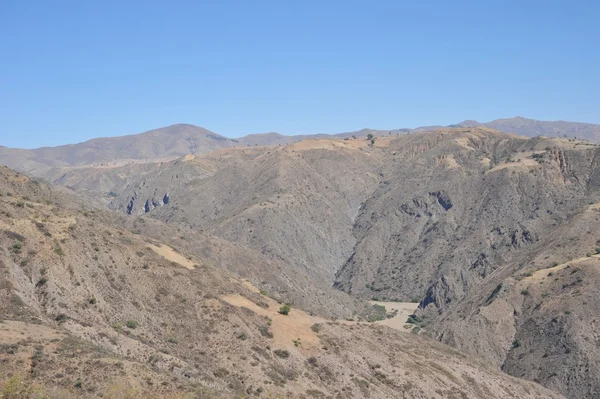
<point x="131" y="324"/>
<point x="285" y="309"/>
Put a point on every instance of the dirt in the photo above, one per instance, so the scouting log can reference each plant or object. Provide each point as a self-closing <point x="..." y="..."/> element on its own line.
<point x="173" y="256"/>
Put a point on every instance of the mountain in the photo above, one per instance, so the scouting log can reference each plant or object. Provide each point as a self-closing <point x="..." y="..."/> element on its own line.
<point x="443" y="218"/>
<point x="164" y="143"/>
<point x="491" y="234"/>
<point x="532" y="128"/>
<point x="90" y="308"/>
<point x="178" y="140"/>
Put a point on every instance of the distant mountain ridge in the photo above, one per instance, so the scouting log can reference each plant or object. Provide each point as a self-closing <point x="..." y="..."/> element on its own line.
<point x="531" y="128"/>
<point x="181" y="139"/>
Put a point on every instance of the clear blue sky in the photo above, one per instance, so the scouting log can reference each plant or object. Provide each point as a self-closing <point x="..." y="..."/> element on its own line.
<point x="73" y="70"/>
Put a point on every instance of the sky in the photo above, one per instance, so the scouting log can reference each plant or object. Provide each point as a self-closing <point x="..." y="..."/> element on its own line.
<point x="74" y="70"/>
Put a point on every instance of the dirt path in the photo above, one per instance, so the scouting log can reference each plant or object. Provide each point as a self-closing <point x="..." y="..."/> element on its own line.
<point x="169" y="254"/>
<point x="540" y="274"/>
<point x="297" y="325"/>
<point x="12" y="332"/>
<point x="285" y="329"/>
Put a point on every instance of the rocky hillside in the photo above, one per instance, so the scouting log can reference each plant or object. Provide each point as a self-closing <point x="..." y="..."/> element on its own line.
<point x="178" y="140"/>
<point x="91" y="309"/>
<point x="532" y="128"/>
<point x="165" y="143"/>
<point x="443" y="218"/>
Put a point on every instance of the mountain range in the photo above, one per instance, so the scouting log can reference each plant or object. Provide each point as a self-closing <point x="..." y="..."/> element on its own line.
<point x="433" y="262"/>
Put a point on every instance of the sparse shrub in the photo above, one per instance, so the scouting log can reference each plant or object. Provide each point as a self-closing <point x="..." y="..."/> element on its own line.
<point x="61" y="317"/>
<point x="221" y="372"/>
<point x="297" y="342"/>
<point x="263" y="292"/>
<point x="242" y="336"/>
<point x="516" y="343"/>
<point x="525" y="292"/>
<point x="41" y="282"/>
<point x="78" y="384"/>
<point x="285" y="309"/>
<point x="264" y="331"/>
<point x="317" y="327"/>
<point x="131" y="324"/>
<point x="92" y="300"/>
<point x="16" y="248"/>
<point x="282" y="353"/>
<point x="59" y="251"/>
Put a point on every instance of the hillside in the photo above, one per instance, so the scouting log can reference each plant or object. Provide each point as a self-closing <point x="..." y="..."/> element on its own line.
<point x="532" y="128"/>
<point x="91" y="309"/>
<point x="171" y="142"/>
<point x="441" y="218"/>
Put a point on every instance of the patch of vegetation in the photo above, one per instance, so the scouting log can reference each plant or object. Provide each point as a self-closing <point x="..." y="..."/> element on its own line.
<point x="516" y="343"/>
<point x="378" y="313"/>
<point x="317" y="327"/>
<point x="92" y="300"/>
<point x="285" y="309"/>
<point x="16" y="247"/>
<point x="221" y="372"/>
<point x="525" y="292"/>
<point x="297" y="342"/>
<point x="265" y="332"/>
<point x="282" y="353"/>
<point x="131" y="324"/>
<point x="414" y="319"/>
<point x="41" y="282"/>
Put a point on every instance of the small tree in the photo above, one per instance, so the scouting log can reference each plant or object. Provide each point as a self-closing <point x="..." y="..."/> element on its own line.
<point x="285" y="309"/>
<point x="370" y="136"/>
